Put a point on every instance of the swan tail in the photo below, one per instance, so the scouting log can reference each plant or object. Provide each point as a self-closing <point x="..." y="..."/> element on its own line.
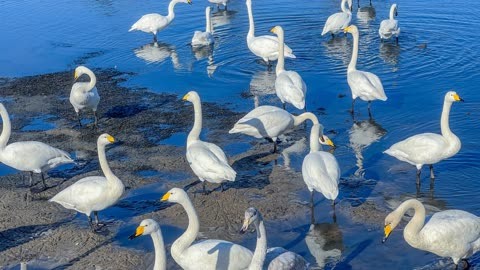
<point x="230" y="174"/>
<point x="289" y="55"/>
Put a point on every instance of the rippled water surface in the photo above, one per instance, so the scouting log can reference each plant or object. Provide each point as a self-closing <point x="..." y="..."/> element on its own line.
<point x="437" y="51"/>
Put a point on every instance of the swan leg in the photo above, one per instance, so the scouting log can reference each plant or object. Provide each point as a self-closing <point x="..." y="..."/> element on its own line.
<point x="155" y="37"/>
<point x="312" y="212"/>
<point x="432" y="176"/>
<point x="78" y="118"/>
<point x="334" y="217"/>
<point x="353" y="107"/>
<point x="90" y="222"/>
<point x="369" y="111"/>
<point x="43" y="181"/>
<point x="418" y="177"/>
<point x="274" y="146"/>
<point x="96" y="118"/>
<point x="31" y="179"/>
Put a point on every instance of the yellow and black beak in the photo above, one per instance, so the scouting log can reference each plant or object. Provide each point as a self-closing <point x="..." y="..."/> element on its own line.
<point x="138" y="232"/>
<point x="165" y="197"/>
<point x="388" y="231"/>
<point x="189" y="2"/>
<point x="185" y="97"/>
<point x="346" y="29"/>
<point x="244" y="228"/>
<point x="75" y="75"/>
<point x="110" y="138"/>
<point x="456" y="97"/>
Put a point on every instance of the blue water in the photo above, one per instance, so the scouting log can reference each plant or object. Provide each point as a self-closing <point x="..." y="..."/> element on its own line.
<point x="437" y="52"/>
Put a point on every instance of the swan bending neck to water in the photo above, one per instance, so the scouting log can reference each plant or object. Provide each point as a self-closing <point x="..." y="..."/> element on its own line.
<point x="449" y="233"/>
<point x="151" y="227"/>
<point x="84" y="95"/>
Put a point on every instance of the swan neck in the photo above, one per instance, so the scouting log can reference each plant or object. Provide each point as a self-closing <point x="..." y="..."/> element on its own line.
<point x="281" y="57"/>
<point x="353" y="62"/>
<point x="208" y="25"/>
<point x="445" y="118"/>
<point x="251" y="29"/>
<point x="103" y="162"/>
<point x="343" y="6"/>
<point x="197" y="124"/>
<point x="412" y="230"/>
<point x="7" y="127"/>
<point x="314" y="136"/>
<point x="187" y="238"/>
<point x="93" y="79"/>
<point x="297" y="120"/>
<point x="392" y="12"/>
<point x="171" y="13"/>
<point x="160" y="255"/>
<point x="261" y="249"/>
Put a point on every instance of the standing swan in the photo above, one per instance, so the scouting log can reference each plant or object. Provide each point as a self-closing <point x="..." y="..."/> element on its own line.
<point x="204" y="38"/>
<point x="265" y="47"/>
<point x="389" y="28"/>
<point x="365" y="85"/>
<point x="207" y="160"/>
<point x="338" y="21"/>
<point x="449" y="233"/>
<point x="28" y="156"/>
<point x="289" y="86"/>
<point x="150" y="226"/>
<point x="93" y="193"/>
<point x="154" y="22"/>
<point x="84" y="95"/>
<point x="205" y="254"/>
<point x="429" y="148"/>
<point x="271" y="122"/>
<point x="277" y="258"/>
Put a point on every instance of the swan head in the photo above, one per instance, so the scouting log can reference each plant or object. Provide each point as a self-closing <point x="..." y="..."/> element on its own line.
<point x="79" y="71"/>
<point x="191" y="96"/>
<point x="147" y="226"/>
<point x="352" y="29"/>
<point x="324" y="140"/>
<point x="350" y="5"/>
<point x="105" y="139"/>
<point x="452" y="96"/>
<point x="185" y="1"/>
<point x="174" y="195"/>
<point x="251" y="216"/>
<point x="395" y="7"/>
<point x="277" y="30"/>
<point x="391" y="221"/>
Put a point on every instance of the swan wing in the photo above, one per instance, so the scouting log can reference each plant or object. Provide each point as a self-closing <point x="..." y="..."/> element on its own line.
<point x="388" y="28"/>
<point x="209" y="162"/>
<point x="336" y="22"/>
<point x="291" y="88"/>
<point x="264" y="121"/>
<point x="366" y="85"/>
<point x="202" y="38"/>
<point x="278" y="258"/>
<point x="267" y="47"/>
<point x="82" y="97"/>
<point x="152" y="22"/>
<point x="425" y="148"/>
<point x="321" y="173"/>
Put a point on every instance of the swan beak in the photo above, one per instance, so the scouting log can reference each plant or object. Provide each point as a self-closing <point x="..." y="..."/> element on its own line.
<point x="165" y="197"/>
<point x="189" y="2"/>
<point x="329" y="142"/>
<point x="185" y="97"/>
<point x="244" y="228"/>
<point x="346" y="29"/>
<point x="110" y="138"/>
<point x="137" y="233"/>
<point x="273" y="30"/>
<point x="388" y="231"/>
<point x="456" y="97"/>
<point x="75" y="75"/>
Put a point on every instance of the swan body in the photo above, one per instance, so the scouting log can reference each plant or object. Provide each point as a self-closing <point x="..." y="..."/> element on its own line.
<point x="207" y="254"/>
<point x="338" y="21"/>
<point x="430" y="148"/>
<point x="204" y="38"/>
<point x="289" y="85"/>
<point x="151" y="227"/>
<point x="389" y="28"/>
<point x="276" y="258"/>
<point x="265" y="47"/>
<point x="28" y="156"/>
<point x="207" y="160"/>
<point x="84" y="95"/>
<point x="154" y="22"/>
<point x="93" y="193"/>
<point x="449" y="233"/>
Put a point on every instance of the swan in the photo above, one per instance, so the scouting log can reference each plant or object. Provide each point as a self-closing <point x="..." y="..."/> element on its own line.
<point x="365" y="85"/>
<point x="265" y="47"/>
<point x="207" y="160"/>
<point x="151" y="227"/>
<point x="276" y="258"/>
<point x="449" y="233"/>
<point x="84" y="95"/>
<point x="289" y="85"/>
<point x="28" y="156"/>
<point x="204" y="38"/>
<point x="93" y="193"/>
<point x="219" y="2"/>
<point x="429" y="148"/>
<point x="389" y="28"/>
<point x="338" y="21"/>
<point x="206" y="254"/>
<point x="320" y="169"/>
<point x="154" y="22"/>
<point x="270" y="122"/>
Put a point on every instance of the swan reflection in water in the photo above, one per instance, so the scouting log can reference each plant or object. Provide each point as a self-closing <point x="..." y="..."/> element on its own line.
<point x="339" y="48"/>
<point x="203" y="52"/>
<point x="157" y="52"/>
<point x="222" y="17"/>
<point x="365" y="14"/>
<point x="390" y="52"/>
<point x="297" y="147"/>
<point x="262" y="84"/>
<point x="325" y="243"/>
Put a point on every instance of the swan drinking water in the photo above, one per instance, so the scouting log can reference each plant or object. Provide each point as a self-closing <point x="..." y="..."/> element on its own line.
<point x="204" y="38"/>
<point x="151" y="227"/>
<point x="389" y="28"/>
<point x="338" y="21"/>
<point x="84" y="95"/>
<point x="154" y="22"/>
<point x="28" y="156"/>
<point x="449" y="233"/>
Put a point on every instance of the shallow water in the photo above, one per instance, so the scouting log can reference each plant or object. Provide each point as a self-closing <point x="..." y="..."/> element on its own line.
<point x="437" y="52"/>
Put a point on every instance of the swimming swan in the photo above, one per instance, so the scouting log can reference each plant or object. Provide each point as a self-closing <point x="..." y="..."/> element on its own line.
<point x="429" y="148"/>
<point x="93" y="193"/>
<point x="289" y="85"/>
<point x="449" y="233"/>
<point x="28" y="156"/>
<point x="389" y="28"/>
<point x="84" y="95"/>
<point x="206" y="254"/>
<point x="154" y="22"/>
<point x="276" y="258"/>
<point x="338" y="21"/>
<point x="204" y="38"/>
<point x="365" y="85"/>
<point x="265" y="47"/>
<point x="151" y="227"/>
<point x="207" y="160"/>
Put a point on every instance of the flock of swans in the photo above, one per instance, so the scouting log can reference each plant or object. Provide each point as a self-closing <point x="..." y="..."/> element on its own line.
<point x="450" y="233"/>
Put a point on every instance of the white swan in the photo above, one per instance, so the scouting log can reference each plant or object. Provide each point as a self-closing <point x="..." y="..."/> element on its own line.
<point x="320" y="169"/>
<point x="207" y="160"/>
<point x="265" y="47"/>
<point x="220" y="2"/>
<point x="84" y="95"/>
<point x="93" y="193"/>
<point x="154" y="22"/>
<point x="365" y="85"/>
<point x="270" y="122"/>
<point x="289" y="85"/>
<point x="389" y="28"/>
<point x="429" y="148"/>
<point x="276" y="258"/>
<point x="449" y="233"/>
<point x="151" y="227"/>
<point x="28" y="156"/>
<point x="207" y="254"/>
<point x="338" y="21"/>
<point x="204" y="38"/>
